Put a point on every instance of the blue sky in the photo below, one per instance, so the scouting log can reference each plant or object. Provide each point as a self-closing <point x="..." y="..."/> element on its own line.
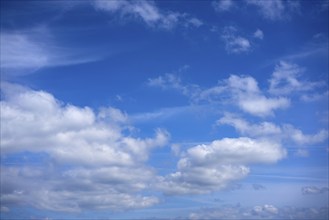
<point x="164" y="109"/>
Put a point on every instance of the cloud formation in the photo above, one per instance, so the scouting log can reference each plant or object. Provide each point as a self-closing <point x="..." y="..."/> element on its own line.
<point x="223" y="5"/>
<point x="97" y="166"/>
<point x="275" y="9"/>
<point x="234" y="43"/>
<point x="148" y="12"/>
<point x="311" y="190"/>
<point x="210" y="167"/>
<point x="270" y="130"/>
<point x="286" y="79"/>
<point x="259" y="34"/>
<point x="242" y="91"/>
<point x="27" y="51"/>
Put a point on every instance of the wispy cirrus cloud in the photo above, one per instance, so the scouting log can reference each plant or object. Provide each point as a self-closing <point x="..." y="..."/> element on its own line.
<point x="286" y="79"/>
<point x="223" y="5"/>
<point x="275" y="9"/>
<point x="24" y="52"/>
<point x="148" y="12"/>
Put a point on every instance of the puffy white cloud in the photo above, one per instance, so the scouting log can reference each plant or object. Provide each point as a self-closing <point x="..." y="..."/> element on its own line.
<point x="148" y="12"/>
<point x="223" y="5"/>
<point x="275" y="9"/>
<point x="91" y="164"/>
<point x="270" y="130"/>
<point x="233" y="42"/>
<point x="250" y="99"/>
<point x="209" y="167"/>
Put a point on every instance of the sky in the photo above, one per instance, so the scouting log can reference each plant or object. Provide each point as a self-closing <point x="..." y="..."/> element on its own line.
<point x="164" y="109"/>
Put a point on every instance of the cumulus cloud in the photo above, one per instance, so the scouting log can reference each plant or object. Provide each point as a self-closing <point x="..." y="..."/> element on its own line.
<point x="209" y="167"/>
<point x="93" y="162"/>
<point x="148" y="12"/>
<point x="275" y="9"/>
<point x="233" y="42"/>
<point x="250" y="99"/>
<point x="223" y="5"/>
<point x="270" y="130"/>
<point x="242" y="91"/>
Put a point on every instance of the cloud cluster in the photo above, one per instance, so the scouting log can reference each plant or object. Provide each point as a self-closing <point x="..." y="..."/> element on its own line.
<point x="242" y="91"/>
<point x="93" y="160"/>
<point x="286" y="79"/>
<point x="210" y="167"/>
<point x="270" y="130"/>
<point x="275" y="9"/>
<point x="148" y="12"/>
<point x="233" y="42"/>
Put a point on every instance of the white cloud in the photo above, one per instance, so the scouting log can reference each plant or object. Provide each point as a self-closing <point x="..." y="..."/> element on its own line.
<point x="311" y="190"/>
<point x="209" y="167"/>
<point x="148" y="12"/>
<point x="223" y="5"/>
<point x="259" y="34"/>
<point x="242" y="91"/>
<point x="172" y="81"/>
<point x="26" y="52"/>
<point x="286" y="79"/>
<point x="249" y="98"/>
<point x="315" y="96"/>
<point x="270" y="130"/>
<point x="275" y="9"/>
<point x="233" y="42"/>
<point x="245" y="128"/>
<point x="91" y="165"/>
